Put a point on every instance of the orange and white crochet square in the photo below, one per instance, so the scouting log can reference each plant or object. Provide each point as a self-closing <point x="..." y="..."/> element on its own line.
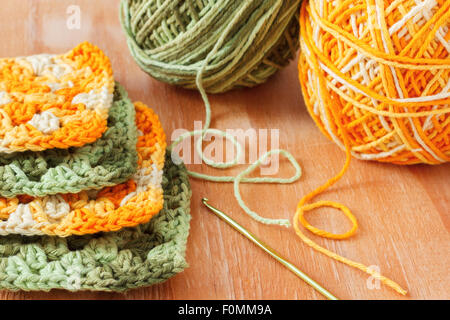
<point x="110" y="209"/>
<point x="54" y="101"/>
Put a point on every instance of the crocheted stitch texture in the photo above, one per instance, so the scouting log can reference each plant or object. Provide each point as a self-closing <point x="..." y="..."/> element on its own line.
<point x="114" y="261"/>
<point x="110" y="160"/>
<point x="54" y="101"/>
<point x="110" y="209"/>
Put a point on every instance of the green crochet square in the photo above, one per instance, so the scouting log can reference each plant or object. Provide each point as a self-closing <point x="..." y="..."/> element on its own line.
<point x="110" y="160"/>
<point x="113" y="261"/>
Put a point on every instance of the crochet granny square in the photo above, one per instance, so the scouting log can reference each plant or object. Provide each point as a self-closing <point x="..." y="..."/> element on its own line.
<point x="110" y="209"/>
<point x="113" y="261"/>
<point x="54" y="101"/>
<point x="110" y="160"/>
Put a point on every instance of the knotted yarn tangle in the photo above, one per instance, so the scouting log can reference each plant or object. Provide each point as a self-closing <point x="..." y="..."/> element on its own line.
<point x="170" y="39"/>
<point x="375" y="78"/>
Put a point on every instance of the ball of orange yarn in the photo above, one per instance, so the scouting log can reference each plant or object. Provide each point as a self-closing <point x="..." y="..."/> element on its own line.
<point x="375" y="76"/>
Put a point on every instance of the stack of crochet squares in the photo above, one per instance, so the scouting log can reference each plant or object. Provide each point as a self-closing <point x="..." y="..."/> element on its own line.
<point x="88" y="198"/>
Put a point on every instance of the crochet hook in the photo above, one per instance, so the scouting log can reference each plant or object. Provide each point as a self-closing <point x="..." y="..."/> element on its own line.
<point x="270" y="251"/>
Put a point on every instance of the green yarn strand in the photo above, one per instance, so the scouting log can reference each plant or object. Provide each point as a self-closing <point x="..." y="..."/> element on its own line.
<point x="228" y="44"/>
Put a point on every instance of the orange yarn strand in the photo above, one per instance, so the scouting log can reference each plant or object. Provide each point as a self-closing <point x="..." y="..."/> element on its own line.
<point x="375" y="75"/>
<point x="302" y="207"/>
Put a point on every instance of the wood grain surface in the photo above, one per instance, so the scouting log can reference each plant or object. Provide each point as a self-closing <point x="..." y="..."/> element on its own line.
<point x="403" y="212"/>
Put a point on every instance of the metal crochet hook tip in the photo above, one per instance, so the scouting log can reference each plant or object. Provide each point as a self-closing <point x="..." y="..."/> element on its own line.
<point x="270" y="251"/>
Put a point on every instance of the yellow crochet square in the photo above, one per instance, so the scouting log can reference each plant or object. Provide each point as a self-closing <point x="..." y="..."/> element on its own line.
<point x="54" y="101"/>
<point x="109" y="209"/>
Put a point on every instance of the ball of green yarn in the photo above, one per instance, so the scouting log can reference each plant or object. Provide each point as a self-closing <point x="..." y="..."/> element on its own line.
<point x="170" y="39"/>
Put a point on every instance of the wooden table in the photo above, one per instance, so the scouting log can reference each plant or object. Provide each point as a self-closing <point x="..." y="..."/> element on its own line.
<point x="403" y="212"/>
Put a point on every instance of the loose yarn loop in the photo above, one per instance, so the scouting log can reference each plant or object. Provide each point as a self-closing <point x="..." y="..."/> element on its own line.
<point x="170" y="39"/>
<point x="247" y="49"/>
<point x="375" y="77"/>
<point x="302" y="207"/>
